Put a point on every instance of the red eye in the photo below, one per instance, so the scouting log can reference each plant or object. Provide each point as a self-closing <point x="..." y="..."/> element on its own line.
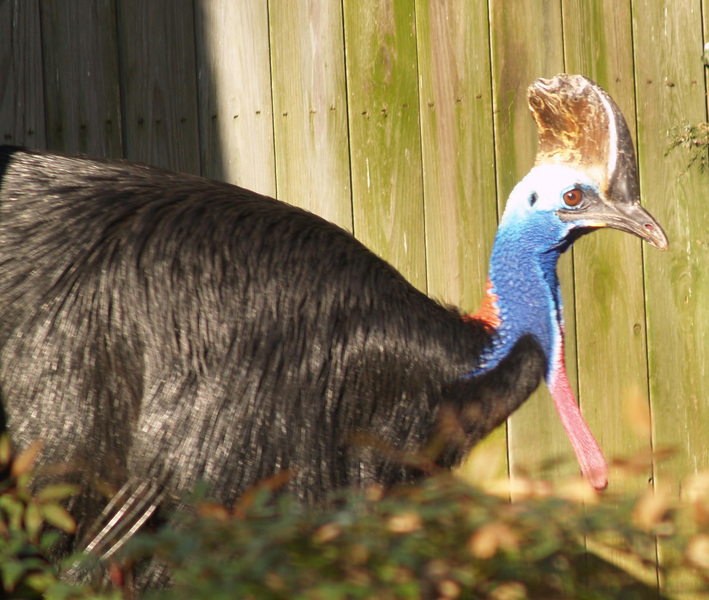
<point x="573" y="197"/>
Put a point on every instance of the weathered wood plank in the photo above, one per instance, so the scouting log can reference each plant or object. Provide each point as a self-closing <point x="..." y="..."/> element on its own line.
<point x="610" y="315"/>
<point x="81" y="69"/>
<point x="668" y="42"/>
<point x="385" y="141"/>
<point x="526" y="43"/>
<point x="457" y="146"/>
<point x="671" y="93"/>
<point x="310" y="107"/>
<point x="236" y="119"/>
<point x="158" y="75"/>
<point x="459" y="167"/>
<point x="21" y="79"/>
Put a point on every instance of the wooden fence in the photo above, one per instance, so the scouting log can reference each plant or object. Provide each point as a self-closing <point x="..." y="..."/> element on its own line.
<point x="405" y="121"/>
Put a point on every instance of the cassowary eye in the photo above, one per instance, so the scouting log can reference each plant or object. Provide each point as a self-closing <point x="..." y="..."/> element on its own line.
<point x="573" y="197"/>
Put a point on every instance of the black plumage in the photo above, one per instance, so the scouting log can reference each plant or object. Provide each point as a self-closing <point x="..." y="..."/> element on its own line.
<point x="164" y="326"/>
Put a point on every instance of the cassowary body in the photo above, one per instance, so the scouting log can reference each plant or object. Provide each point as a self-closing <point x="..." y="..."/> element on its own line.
<point x="165" y="328"/>
<point x="182" y="329"/>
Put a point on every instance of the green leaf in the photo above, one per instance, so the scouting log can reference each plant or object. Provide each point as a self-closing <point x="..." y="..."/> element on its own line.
<point x="56" y="492"/>
<point x="12" y="572"/>
<point x="59" y="517"/>
<point x="33" y="521"/>
<point x="39" y="581"/>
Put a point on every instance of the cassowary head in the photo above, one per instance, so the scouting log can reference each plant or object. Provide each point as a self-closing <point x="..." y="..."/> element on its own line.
<point x="585" y="170"/>
<point x="584" y="178"/>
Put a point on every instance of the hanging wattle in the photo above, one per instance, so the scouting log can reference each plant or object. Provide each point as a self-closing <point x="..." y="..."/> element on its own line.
<point x="590" y="458"/>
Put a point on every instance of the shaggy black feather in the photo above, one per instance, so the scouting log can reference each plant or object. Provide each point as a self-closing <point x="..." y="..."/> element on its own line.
<point x="167" y="327"/>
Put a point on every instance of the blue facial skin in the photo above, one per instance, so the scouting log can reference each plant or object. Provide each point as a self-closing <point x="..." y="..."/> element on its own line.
<point x="530" y="238"/>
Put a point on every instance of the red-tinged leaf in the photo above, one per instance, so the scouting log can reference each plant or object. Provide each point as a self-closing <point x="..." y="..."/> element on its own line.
<point x="5" y="450"/>
<point x="327" y="533"/>
<point x="270" y="484"/>
<point x="698" y="550"/>
<point x="116" y="575"/>
<point x="405" y="523"/>
<point x="213" y="510"/>
<point x="25" y="460"/>
<point x="488" y="539"/>
<point x="59" y="517"/>
<point x="651" y="508"/>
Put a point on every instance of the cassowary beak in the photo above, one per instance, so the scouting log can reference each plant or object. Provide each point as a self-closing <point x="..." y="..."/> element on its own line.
<point x="628" y="217"/>
<point x="580" y="125"/>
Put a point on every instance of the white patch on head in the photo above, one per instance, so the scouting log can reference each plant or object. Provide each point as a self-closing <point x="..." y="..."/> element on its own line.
<point x="549" y="183"/>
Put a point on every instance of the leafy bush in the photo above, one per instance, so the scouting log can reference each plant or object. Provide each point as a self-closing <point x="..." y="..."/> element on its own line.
<point x="694" y="141"/>
<point x="30" y="524"/>
<point x="440" y="539"/>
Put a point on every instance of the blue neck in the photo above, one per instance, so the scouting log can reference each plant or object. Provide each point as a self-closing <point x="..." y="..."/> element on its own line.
<point x="524" y="279"/>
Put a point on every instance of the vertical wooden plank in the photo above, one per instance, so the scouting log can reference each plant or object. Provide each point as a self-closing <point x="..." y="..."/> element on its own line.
<point x="21" y="83"/>
<point x="385" y="141"/>
<point x="610" y="311"/>
<point x="670" y="92"/>
<point x="236" y="119"/>
<point x="458" y="151"/>
<point x="526" y="41"/>
<point x="310" y="107"/>
<point x="610" y="299"/>
<point x="81" y="68"/>
<point x="158" y="72"/>
<point x="457" y="146"/>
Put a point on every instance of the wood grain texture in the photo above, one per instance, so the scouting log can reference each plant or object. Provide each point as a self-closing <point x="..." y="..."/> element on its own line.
<point x="81" y="75"/>
<point x="610" y="311"/>
<point x="310" y="107"/>
<point x="458" y="147"/>
<point x="21" y="77"/>
<point x="458" y="150"/>
<point x="526" y="43"/>
<point x="385" y="140"/>
<point x="670" y="93"/>
<point x="158" y="75"/>
<point x="236" y="116"/>
<point x="670" y="90"/>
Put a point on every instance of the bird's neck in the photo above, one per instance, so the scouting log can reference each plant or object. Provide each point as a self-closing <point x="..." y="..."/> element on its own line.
<point x="523" y="298"/>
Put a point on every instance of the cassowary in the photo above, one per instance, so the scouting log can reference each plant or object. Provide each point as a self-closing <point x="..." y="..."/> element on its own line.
<point x="159" y="329"/>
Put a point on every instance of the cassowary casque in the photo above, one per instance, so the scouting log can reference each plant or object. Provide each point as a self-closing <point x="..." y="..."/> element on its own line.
<point x="160" y="329"/>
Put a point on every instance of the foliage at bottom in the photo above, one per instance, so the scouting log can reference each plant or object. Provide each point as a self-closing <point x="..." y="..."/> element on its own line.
<point x="439" y="539"/>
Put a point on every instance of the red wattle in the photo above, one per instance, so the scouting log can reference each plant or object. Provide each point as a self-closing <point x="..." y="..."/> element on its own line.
<point x="588" y="453"/>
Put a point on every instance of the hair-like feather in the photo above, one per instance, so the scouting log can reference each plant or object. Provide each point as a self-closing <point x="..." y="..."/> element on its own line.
<point x="168" y="327"/>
